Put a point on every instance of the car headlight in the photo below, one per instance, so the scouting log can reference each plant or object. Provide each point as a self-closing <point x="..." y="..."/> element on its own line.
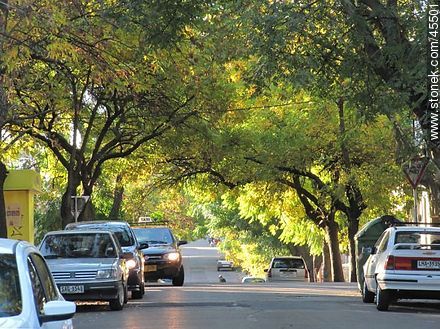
<point x="106" y="274"/>
<point x="131" y="263"/>
<point x="172" y="256"/>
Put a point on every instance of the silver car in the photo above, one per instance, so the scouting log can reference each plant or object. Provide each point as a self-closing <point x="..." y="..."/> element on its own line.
<point x="286" y="268"/>
<point x="87" y="265"/>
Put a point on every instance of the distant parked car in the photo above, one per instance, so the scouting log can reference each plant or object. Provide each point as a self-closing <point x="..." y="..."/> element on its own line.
<point x="223" y="264"/>
<point x="29" y="297"/>
<point x="162" y="257"/>
<point x="286" y="268"/>
<point x="130" y="246"/>
<point x="252" y="279"/>
<point x="87" y="265"/>
<point x="404" y="263"/>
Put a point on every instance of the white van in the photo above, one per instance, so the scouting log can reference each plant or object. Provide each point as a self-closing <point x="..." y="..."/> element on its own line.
<point x="286" y="268"/>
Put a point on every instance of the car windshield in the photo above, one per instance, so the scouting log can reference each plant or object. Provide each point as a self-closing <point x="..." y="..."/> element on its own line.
<point x="122" y="232"/>
<point x="10" y="293"/>
<point x="88" y="245"/>
<point x="154" y="235"/>
<point x="287" y="263"/>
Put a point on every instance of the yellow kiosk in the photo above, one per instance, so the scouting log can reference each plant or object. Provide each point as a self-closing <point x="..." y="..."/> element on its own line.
<point x="19" y="190"/>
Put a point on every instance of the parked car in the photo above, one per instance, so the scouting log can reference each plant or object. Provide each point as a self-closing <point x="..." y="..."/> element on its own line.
<point x="252" y="279"/>
<point x="404" y="263"/>
<point x="87" y="265"/>
<point x="29" y="297"/>
<point x="162" y="257"/>
<point x="223" y="264"/>
<point x="130" y="246"/>
<point x="286" y="268"/>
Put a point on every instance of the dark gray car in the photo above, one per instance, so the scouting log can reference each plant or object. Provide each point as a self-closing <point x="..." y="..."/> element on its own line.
<point x="130" y="246"/>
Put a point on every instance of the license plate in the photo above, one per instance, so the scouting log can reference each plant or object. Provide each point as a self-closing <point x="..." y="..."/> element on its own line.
<point x="150" y="268"/>
<point x="428" y="264"/>
<point x="71" y="289"/>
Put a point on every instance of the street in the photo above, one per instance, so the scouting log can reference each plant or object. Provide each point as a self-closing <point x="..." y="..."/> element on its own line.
<point x="205" y="303"/>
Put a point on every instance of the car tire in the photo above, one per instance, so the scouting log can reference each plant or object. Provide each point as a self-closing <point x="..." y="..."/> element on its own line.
<point x="383" y="298"/>
<point x="180" y="278"/>
<point x="367" y="296"/>
<point x="138" y="294"/>
<point x="117" y="304"/>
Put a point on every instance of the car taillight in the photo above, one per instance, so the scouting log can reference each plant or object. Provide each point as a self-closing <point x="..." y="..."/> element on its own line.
<point x="389" y="264"/>
<point x="306" y="274"/>
<point x="269" y="273"/>
<point x="398" y="263"/>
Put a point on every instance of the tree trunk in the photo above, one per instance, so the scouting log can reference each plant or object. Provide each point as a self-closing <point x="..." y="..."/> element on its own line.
<point x="66" y="201"/>
<point x="325" y="276"/>
<point x="353" y="227"/>
<point x="3" y="224"/>
<point x="331" y="229"/>
<point x="115" y="212"/>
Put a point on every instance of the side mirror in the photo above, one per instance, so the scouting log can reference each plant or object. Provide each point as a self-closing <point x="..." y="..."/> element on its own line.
<point x="143" y="245"/>
<point x="181" y="242"/>
<point x="57" y="310"/>
<point x="265" y="270"/>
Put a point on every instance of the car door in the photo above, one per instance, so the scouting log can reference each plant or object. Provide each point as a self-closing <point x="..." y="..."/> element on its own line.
<point x="371" y="264"/>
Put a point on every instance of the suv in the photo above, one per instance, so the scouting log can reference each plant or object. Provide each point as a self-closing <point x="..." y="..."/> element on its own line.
<point x="162" y="258"/>
<point x="404" y="263"/>
<point x="130" y="246"/>
<point x="286" y="268"/>
<point x="87" y="265"/>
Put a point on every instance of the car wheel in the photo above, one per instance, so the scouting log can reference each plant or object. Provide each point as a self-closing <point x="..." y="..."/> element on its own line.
<point x="178" y="280"/>
<point x="117" y="304"/>
<point x="367" y="296"/>
<point x="125" y="293"/>
<point x="383" y="298"/>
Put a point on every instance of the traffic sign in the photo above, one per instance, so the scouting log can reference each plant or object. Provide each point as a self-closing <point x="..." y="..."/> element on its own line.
<point x="78" y="204"/>
<point x="414" y="170"/>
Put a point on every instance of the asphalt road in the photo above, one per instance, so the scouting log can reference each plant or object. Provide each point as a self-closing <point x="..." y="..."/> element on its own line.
<point x="204" y="303"/>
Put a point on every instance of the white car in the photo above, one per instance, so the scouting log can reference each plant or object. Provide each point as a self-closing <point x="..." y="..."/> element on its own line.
<point x="253" y="279"/>
<point x="29" y="297"/>
<point x="404" y="263"/>
<point x="286" y="268"/>
<point x="225" y="264"/>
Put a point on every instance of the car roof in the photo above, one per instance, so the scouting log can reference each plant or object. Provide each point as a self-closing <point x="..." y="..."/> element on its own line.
<point x="71" y="232"/>
<point x="99" y="222"/>
<point x="287" y="257"/>
<point x="415" y="228"/>
<point x="7" y="246"/>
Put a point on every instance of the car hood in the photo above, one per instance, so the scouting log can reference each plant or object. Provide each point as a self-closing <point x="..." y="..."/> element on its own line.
<point x="79" y="264"/>
<point x="158" y="249"/>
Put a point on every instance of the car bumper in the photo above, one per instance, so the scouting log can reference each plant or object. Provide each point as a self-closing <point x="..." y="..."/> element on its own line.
<point x="163" y="270"/>
<point x="92" y="291"/>
<point x="411" y="285"/>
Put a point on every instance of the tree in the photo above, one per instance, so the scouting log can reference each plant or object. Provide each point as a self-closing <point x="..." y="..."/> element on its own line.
<point x="95" y="86"/>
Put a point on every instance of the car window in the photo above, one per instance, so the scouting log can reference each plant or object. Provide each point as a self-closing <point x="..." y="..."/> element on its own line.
<point x="122" y="232"/>
<point x="158" y="235"/>
<point x="382" y="245"/>
<point x="87" y="245"/>
<point x="42" y="285"/>
<point x="10" y="292"/>
<point x="424" y="238"/>
<point x="43" y="271"/>
<point x="288" y="263"/>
